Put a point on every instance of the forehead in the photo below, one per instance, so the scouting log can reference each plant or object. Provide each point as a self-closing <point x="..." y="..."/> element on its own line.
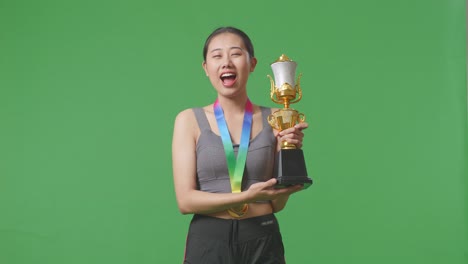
<point x="226" y="41"/>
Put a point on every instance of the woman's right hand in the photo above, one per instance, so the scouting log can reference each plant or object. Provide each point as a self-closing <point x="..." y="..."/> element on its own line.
<point x="261" y="191"/>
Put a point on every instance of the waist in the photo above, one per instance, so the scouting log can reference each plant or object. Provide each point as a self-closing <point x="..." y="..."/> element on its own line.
<point x="239" y="231"/>
<point x="227" y="229"/>
<point x="255" y="210"/>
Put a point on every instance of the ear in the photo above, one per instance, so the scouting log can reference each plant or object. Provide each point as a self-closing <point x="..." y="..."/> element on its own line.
<point x="204" y="67"/>
<point x="253" y="63"/>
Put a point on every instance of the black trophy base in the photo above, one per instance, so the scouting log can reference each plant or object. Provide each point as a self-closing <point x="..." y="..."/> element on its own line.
<point x="291" y="169"/>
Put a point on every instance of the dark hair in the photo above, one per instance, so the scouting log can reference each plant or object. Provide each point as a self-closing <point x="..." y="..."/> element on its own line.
<point x="233" y="30"/>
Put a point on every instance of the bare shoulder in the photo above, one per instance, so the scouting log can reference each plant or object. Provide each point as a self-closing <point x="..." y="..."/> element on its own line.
<point x="186" y="122"/>
<point x="184" y="116"/>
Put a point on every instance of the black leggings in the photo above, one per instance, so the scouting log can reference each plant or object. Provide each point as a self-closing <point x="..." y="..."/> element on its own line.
<point x="213" y="240"/>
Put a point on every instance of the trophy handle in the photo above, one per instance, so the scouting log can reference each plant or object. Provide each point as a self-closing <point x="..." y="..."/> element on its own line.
<point x="272" y="91"/>
<point x="272" y="121"/>
<point x="301" y="117"/>
<point x="298" y="89"/>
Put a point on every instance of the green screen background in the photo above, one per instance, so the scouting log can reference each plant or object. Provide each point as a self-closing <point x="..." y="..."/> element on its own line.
<point x="89" y="91"/>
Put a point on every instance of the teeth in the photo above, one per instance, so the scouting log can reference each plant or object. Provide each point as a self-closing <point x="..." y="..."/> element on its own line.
<point x="227" y="75"/>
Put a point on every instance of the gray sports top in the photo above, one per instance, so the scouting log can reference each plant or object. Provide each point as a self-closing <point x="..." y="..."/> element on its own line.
<point x="212" y="169"/>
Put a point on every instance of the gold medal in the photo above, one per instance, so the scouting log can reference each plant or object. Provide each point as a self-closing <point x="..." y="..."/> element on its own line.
<point x="239" y="211"/>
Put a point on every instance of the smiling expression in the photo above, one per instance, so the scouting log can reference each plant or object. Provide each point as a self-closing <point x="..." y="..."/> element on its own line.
<point x="228" y="64"/>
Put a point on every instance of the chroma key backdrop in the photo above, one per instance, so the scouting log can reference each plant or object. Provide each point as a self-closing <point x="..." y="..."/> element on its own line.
<point x="89" y="91"/>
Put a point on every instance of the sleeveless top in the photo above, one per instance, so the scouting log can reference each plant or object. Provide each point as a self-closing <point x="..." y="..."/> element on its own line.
<point x="212" y="169"/>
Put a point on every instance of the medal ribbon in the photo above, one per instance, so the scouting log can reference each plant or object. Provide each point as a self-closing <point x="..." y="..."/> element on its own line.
<point x="235" y="166"/>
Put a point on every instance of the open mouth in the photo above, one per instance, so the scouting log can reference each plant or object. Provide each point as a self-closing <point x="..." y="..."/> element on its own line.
<point x="228" y="78"/>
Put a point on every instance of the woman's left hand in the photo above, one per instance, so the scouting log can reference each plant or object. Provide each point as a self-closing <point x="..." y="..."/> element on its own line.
<point x="293" y="135"/>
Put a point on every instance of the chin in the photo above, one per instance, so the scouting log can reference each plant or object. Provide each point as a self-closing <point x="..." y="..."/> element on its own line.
<point x="232" y="93"/>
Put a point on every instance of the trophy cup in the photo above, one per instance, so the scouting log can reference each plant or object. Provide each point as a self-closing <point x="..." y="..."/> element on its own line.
<point x="290" y="164"/>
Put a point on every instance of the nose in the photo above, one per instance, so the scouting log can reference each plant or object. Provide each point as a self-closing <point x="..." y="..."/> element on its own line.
<point x="227" y="63"/>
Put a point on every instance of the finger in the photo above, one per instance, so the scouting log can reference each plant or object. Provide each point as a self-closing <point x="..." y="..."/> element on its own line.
<point x="294" y="131"/>
<point x="291" y="140"/>
<point x="302" y="125"/>
<point x="270" y="183"/>
<point x="288" y="190"/>
<point x="287" y="131"/>
<point x="297" y="129"/>
<point x="297" y="134"/>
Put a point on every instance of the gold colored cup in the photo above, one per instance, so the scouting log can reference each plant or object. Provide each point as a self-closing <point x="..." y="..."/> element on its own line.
<point x="284" y="90"/>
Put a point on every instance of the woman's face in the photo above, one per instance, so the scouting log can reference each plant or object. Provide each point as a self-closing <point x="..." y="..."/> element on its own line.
<point x="228" y="64"/>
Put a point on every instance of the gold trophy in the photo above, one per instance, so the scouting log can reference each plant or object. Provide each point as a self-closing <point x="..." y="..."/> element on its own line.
<point x="290" y="164"/>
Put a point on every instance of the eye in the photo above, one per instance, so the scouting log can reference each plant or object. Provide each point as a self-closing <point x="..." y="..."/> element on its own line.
<point x="236" y="54"/>
<point x="216" y="56"/>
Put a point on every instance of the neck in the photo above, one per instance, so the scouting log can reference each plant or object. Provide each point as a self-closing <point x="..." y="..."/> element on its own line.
<point x="233" y="105"/>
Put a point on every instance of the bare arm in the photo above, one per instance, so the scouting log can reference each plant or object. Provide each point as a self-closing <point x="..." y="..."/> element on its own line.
<point x="191" y="200"/>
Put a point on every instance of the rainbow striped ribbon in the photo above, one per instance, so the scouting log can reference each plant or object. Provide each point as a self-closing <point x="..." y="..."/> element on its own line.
<point x="235" y="167"/>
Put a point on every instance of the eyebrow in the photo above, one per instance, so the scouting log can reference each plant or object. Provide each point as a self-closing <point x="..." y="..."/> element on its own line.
<point x="235" y="47"/>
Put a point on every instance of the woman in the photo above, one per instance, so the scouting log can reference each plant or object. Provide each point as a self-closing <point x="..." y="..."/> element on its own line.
<point x="223" y="158"/>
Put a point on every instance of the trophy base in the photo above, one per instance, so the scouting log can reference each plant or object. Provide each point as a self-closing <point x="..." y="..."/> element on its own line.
<point x="291" y="169"/>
